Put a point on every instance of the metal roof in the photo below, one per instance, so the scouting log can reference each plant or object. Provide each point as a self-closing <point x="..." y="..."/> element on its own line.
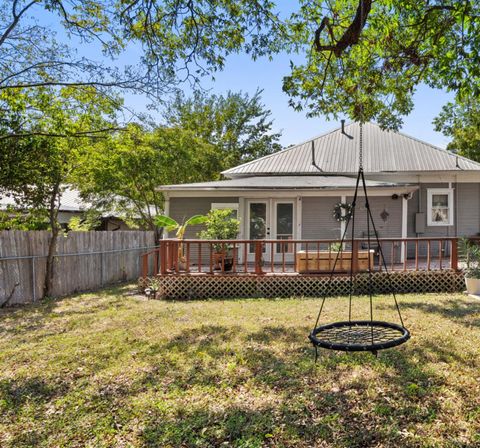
<point x="337" y="153"/>
<point x="280" y="182"/>
<point x="70" y="201"/>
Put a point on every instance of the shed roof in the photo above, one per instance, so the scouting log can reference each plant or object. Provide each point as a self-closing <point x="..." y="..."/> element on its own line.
<point x="337" y="153"/>
<point x="280" y="183"/>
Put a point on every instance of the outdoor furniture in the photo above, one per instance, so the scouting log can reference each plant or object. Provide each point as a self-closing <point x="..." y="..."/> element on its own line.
<point x="324" y="261"/>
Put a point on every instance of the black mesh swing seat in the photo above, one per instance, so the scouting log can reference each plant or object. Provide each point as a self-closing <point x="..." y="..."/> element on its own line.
<point x="359" y="335"/>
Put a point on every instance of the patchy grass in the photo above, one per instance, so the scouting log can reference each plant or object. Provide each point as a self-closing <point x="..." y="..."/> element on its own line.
<point x="113" y="370"/>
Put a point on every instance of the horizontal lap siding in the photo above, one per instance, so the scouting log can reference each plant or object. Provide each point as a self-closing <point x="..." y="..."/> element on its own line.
<point x="182" y="209"/>
<point x="317" y="218"/>
<point x="468" y="209"/>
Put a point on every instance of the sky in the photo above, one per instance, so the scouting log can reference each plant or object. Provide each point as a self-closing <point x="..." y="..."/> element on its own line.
<point x="243" y="74"/>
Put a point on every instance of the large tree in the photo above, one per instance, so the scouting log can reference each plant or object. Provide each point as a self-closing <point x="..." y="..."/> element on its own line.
<point x="122" y="173"/>
<point x="365" y="58"/>
<point x="36" y="166"/>
<point x="238" y="125"/>
<point x="461" y="122"/>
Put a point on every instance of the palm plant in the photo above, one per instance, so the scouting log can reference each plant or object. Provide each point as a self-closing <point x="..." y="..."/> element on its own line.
<point x="170" y="225"/>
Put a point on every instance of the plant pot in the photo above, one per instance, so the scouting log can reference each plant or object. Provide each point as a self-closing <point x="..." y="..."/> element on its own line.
<point x="473" y="285"/>
<point x="223" y="258"/>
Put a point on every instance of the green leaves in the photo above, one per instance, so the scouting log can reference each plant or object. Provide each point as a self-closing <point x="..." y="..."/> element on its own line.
<point x="166" y="221"/>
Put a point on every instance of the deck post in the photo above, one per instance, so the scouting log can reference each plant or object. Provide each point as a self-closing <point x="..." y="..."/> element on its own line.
<point x="163" y="257"/>
<point x="258" y="257"/>
<point x="354" y="260"/>
<point x="454" y="255"/>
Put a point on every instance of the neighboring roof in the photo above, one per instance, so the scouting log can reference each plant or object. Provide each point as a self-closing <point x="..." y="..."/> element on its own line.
<point x="279" y="182"/>
<point x="69" y="202"/>
<point x="337" y="153"/>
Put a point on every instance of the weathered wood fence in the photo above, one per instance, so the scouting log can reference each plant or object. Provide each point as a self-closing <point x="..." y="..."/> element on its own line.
<point x="85" y="261"/>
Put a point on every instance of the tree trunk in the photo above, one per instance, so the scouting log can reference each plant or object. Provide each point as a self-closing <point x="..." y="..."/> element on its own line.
<point x="52" y="246"/>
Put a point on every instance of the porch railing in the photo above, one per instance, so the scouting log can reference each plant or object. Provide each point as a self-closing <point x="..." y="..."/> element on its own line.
<point x="287" y="256"/>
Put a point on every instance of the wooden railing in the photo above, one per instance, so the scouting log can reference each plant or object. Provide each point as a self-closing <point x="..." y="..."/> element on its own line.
<point x="259" y="257"/>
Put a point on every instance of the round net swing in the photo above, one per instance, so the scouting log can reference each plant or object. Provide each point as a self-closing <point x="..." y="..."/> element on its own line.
<point x="359" y="335"/>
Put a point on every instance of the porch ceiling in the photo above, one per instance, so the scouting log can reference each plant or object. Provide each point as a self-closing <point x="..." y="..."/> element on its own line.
<point x="284" y="183"/>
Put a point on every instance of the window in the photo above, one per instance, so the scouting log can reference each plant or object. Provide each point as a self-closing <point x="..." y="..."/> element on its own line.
<point x="224" y="205"/>
<point x="440" y="207"/>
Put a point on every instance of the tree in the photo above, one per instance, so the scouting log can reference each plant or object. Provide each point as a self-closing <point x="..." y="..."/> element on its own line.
<point x="461" y="122"/>
<point x="238" y="125"/>
<point x="36" y="167"/>
<point x="123" y="172"/>
<point x="178" y="40"/>
<point x="365" y="58"/>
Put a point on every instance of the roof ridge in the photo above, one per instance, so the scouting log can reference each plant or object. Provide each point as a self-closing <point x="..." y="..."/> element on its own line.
<point x="282" y="151"/>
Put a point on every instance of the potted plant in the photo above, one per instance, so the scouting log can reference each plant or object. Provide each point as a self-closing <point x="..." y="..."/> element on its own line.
<point x="170" y="224"/>
<point x="470" y="255"/>
<point x="221" y="225"/>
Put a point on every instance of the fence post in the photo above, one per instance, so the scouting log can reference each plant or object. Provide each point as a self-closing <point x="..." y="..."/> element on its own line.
<point x="354" y="260"/>
<point x="144" y="266"/>
<point x="454" y="255"/>
<point x="258" y="257"/>
<point x="34" y="279"/>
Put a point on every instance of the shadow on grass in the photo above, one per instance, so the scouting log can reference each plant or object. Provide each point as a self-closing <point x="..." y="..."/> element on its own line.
<point x="314" y="404"/>
<point x="34" y="316"/>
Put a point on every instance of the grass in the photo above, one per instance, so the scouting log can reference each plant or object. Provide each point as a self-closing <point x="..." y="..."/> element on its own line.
<point x="111" y="369"/>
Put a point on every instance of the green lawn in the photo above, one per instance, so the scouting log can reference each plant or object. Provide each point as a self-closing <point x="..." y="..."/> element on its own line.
<point x="112" y="369"/>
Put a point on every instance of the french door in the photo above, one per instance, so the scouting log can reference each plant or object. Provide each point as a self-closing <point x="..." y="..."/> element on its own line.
<point x="271" y="219"/>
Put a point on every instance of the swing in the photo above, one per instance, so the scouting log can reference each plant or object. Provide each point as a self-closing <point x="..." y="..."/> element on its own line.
<point x="359" y="335"/>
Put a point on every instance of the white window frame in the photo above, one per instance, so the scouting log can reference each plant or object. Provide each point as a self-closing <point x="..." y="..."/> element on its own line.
<point x="224" y="205"/>
<point x="430" y="193"/>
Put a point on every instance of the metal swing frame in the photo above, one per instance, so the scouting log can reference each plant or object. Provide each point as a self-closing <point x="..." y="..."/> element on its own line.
<point x="359" y="335"/>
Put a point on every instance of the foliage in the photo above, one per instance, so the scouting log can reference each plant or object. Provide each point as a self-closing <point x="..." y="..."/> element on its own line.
<point x="170" y="224"/>
<point x="369" y="67"/>
<point x="469" y="253"/>
<point x="461" y="122"/>
<point x="14" y="219"/>
<point x="37" y="166"/>
<point x="236" y="373"/>
<point x="220" y="225"/>
<point x="89" y="221"/>
<point x="175" y="41"/>
<point x="122" y="173"/>
<point x="237" y="125"/>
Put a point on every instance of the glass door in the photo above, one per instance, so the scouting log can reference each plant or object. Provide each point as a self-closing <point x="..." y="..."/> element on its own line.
<point x="258" y="225"/>
<point x="283" y="229"/>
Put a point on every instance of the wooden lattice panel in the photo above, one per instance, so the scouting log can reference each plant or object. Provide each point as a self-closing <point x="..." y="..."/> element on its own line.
<point x="225" y="286"/>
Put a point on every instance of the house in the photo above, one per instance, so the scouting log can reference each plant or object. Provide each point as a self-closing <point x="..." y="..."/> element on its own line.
<point x="71" y="205"/>
<point x="292" y="207"/>
<point x="415" y="189"/>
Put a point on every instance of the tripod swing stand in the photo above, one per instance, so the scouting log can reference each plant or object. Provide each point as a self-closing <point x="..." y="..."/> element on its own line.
<point x="359" y="335"/>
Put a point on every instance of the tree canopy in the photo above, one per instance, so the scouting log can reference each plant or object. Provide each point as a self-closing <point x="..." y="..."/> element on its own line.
<point x="238" y="125"/>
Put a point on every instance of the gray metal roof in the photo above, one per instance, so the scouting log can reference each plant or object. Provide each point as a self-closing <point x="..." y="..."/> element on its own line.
<point x="337" y="153"/>
<point x="279" y="182"/>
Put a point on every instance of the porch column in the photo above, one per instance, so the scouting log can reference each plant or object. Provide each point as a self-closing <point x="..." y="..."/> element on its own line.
<point x="343" y="200"/>
<point x="166" y="212"/>
<point x="403" y="254"/>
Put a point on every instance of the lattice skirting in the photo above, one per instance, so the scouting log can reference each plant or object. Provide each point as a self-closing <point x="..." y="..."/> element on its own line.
<point x="213" y="286"/>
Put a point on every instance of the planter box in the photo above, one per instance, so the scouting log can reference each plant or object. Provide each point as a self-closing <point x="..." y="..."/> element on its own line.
<point x="323" y="261"/>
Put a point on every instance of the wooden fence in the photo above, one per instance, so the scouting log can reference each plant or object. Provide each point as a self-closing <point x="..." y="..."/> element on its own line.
<point x="84" y="261"/>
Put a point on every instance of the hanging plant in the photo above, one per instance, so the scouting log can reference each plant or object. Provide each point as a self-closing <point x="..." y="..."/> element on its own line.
<point x="342" y="211"/>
